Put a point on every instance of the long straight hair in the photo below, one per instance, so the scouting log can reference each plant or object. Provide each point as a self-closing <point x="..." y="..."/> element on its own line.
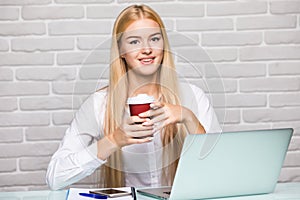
<point x="117" y="91"/>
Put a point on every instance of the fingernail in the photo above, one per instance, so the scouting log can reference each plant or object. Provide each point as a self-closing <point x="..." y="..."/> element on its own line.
<point x="150" y="138"/>
<point x="146" y="123"/>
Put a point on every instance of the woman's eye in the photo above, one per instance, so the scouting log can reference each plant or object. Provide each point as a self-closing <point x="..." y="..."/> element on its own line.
<point x="155" y="39"/>
<point x="134" y="42"/>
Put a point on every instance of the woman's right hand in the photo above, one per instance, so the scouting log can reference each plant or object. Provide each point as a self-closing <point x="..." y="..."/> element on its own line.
<point x="128" y="133"/>
<point x="133" y="130"/>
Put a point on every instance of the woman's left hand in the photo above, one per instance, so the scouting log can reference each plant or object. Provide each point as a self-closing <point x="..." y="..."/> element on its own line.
<point x="163" y="114"/>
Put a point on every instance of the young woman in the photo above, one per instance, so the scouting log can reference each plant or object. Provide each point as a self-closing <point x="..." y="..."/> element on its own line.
<point x="141" y="150"/>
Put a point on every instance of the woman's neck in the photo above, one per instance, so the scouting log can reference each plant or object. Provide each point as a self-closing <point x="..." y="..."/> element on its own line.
<point x="138" y="85"/>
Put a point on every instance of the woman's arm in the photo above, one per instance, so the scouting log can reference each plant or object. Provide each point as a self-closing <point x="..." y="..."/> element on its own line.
<point x="76" y="156"/>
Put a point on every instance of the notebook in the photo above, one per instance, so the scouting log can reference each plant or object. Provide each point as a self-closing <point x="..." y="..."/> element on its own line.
<point x="239" y="163"/>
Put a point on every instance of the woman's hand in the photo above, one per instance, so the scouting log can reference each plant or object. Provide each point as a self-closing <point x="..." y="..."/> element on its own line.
<point x="129" y="133"/>
<point x="132" y="131"/>
<point x="163" y="114"/>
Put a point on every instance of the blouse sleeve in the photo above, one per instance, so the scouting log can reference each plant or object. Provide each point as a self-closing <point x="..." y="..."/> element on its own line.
<point x="76" y="156"/>
<point x="197" y="101"/>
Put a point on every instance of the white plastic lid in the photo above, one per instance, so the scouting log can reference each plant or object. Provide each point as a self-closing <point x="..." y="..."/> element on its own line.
<point x="140" y="99"/>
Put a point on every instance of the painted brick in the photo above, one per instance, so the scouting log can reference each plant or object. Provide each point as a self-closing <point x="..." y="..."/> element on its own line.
<point x="9" y="13"/>
<point x="245" y="127"/>
<point x="8" y="104"/>
<point x="62" y="118"/>
<point x="285" y="100"/>
<point x="46" y="74"/>
<point x="88" y="43"/>
<point x="290" y="174"/>
<point x="94" y="73"/>
<point x="26" y="59"/>
<point x="189" y="71"/>
<point x="282" y="37"/>
<point x="196" y="54"/>
<point x="222" y="55"/>
<point x="26" y="88"/>
<point x="11" y="135"/>
<point x="42" y="44"/>
<point x="231" y="39"/>
<point x="6" y="74"/>
<point x="175" y="10"/>
<point x="104" y="11"/>
<point x="44" y="133"/>
<point x="52" y="12"/>
<point x="79" y="27"/>
<point x="28" y="149"/>
<point x="291" y="124"/>
<point x="4" y="44"/>
<point x="8" y="165"/>
<point x="23" y="179"/>
<point x="204" y="24"/>
<point x="75" y="58"/>
<point x="231" y="117"/>
<point x="235" y="70"/>
<point x="295" y="143"/>
<point x="269" y="84"/>
<point x="269" y="53"/>
<point x="266" y="22"/>
<point x="291" y="159"/>
<point x="83" y="1"/>
<point x="177" y="39"/>
<point x="24" y="2"/>
<point x="34" y="163"/>
<point x="271" y="115"/>
<point x="22" y="28"/>
<point x="284" y="68"/>
<point x="24" y="119"/>
<point x="81" y="88"/>
<point x="245" y="100"/>
<point x="212" y="86"/>
<point x="284" y="7"/>
<point x="239" y="8"/>
<point x="48" y="103"/>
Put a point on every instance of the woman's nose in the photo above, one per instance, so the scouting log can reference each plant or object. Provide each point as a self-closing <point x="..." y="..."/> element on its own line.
<point x="146" y="49"/>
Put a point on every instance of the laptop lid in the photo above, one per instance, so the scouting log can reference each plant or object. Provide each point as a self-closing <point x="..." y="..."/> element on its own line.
<point x="240" y="163"/>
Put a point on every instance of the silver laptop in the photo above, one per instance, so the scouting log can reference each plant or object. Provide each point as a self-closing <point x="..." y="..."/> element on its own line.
<point x="227" y="164"/>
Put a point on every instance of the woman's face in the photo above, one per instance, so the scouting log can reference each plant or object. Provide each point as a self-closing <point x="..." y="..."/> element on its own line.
<point x="142" y="47"/>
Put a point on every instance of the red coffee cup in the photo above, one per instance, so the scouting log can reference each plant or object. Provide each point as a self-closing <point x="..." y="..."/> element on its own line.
<point x="140" y="103"/>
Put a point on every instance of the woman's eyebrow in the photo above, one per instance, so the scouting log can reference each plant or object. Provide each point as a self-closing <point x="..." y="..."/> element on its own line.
<point x="135" y="36"/>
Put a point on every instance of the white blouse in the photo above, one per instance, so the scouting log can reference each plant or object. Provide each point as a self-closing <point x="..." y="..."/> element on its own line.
<point x="77" y="158"/>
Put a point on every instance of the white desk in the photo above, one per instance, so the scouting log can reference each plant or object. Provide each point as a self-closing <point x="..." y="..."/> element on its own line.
<point x="283" y="191"/>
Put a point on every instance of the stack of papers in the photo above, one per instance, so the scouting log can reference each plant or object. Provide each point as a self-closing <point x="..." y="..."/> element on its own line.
<point x="73" y="194"/>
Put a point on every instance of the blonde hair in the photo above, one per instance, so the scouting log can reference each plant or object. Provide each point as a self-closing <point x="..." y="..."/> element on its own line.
<point x="117" y="95"/>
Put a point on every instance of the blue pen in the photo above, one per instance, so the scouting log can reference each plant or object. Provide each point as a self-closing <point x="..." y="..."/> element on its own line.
<point x="95" y="196"/>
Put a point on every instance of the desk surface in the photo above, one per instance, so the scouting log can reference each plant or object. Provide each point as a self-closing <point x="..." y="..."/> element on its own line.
<point x="283" y="191"/>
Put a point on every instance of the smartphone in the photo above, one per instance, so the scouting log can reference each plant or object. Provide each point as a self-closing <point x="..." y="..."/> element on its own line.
<point x="110" y="192"/>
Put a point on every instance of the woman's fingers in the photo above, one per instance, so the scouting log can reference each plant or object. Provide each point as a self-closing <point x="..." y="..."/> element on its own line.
<point x="152" y="113"/>
<point x="140" y="140"/>
<point x="140" y="134"/>
<point x="136" y="119"/>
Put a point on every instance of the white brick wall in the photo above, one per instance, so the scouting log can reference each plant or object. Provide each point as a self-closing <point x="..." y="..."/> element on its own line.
<point x="254" y="46"/>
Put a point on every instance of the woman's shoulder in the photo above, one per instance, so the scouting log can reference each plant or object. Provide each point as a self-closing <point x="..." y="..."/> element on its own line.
<point x="101" y="93"/>
<point x="189" y="87"/>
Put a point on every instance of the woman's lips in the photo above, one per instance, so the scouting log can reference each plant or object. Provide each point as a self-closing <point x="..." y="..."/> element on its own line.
<point x="147" y="61"/>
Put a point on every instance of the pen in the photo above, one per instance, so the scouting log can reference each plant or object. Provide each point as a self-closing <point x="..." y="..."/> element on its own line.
<point x="95" y="196"/>
<point x="133" y="193"/>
